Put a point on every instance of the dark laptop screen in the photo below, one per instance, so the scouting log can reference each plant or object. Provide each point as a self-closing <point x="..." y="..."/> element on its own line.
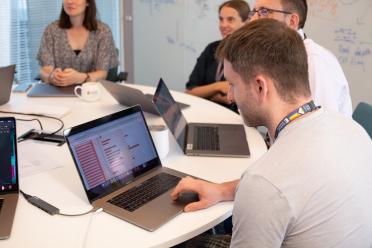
<point x="171" y="113"/>
<point x="110" y="152"/>
<point x="8" y="156"/>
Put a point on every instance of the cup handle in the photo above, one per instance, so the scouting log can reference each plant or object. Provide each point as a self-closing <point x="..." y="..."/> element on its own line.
<point x="76" y="91"/>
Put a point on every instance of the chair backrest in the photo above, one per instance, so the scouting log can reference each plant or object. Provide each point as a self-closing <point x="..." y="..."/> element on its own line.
<point x="363" y="115"/>
<point x="112" y="74"/>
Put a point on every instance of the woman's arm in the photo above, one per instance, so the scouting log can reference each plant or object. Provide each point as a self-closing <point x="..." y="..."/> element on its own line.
<point x="209" y="90"/>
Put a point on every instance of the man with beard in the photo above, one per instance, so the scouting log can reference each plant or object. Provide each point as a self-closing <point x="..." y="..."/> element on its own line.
<point x="313" y="187"/>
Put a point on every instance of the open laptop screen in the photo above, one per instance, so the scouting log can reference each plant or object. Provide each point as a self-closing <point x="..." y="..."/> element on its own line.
<point x="8" y="156"/>
<point x="111" y="151"/>
<point x="171" y="113"/>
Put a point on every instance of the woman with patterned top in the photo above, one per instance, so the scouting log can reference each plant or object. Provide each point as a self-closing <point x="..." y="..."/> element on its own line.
<point x="76" y="48"/>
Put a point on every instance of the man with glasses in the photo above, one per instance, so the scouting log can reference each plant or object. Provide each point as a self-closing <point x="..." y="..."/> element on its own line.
<point x="328" y="84"/>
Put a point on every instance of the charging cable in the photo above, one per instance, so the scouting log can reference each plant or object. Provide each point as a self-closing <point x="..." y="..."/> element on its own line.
<point x="38" y="115"/>
<point x="89" y="225"/>
<point x="50" y="209"/>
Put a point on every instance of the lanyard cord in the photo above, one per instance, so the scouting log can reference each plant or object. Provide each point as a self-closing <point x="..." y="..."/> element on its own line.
<point x="306" y="108"/>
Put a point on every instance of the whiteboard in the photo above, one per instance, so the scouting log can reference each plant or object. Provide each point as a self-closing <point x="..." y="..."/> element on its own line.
<point x="169" y="35"/>
<point x="345" y="28"/>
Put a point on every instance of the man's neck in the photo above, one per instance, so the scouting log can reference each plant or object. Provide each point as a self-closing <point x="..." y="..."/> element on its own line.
<point x="280" y="112"/>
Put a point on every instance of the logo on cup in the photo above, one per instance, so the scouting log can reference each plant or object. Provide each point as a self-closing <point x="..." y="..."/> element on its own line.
<point x="89" y="91"/>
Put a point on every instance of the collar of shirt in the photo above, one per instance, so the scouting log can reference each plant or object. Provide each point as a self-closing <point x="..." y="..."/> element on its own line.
<point x="301" y="33"/>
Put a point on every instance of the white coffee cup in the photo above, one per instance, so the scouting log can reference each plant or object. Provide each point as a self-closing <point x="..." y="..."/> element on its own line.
<point x="89" y="91"/>
<point x="160" y="136"/>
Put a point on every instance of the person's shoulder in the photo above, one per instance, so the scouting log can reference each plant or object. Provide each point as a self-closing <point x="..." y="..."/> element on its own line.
<point x="103" y="27"/>
<point x="214" y="44"/>
<point x="314" y="49"/>
<point x="52" y="27"/>
<point x="212" y="47"/>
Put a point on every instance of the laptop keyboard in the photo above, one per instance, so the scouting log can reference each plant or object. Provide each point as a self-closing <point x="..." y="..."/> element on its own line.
<point x="1" y="204"/>
<point x="145" y="192"/>
<point x="206" y="138"/>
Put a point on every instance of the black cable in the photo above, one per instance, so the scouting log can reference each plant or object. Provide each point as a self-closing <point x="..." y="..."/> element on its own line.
<point x="39" y="115"/>
<point x="50" y="209"/>
<point x="41" y="126"/>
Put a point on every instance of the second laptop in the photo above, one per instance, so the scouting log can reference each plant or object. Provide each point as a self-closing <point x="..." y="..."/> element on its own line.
<point x="200" y="139"/>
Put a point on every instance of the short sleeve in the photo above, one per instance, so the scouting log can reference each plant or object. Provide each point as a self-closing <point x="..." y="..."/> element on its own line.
<point x="261" y="214"/>
<point x="45" y="55"/>
<point x="107" y="55"/>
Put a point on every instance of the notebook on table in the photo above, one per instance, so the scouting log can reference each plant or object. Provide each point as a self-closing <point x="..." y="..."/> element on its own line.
<point x="200" y="139"/>
<point x="9" y="185"/>
<point x="129" y="96"/>
<point x="120" y="169"/>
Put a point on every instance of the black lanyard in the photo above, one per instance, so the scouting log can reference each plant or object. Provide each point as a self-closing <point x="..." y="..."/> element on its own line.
<point x="306" y="108"/>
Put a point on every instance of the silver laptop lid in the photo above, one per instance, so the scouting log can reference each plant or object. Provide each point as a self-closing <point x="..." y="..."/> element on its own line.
<point x="6" y="82"/>
<point x="49" y="90"/>
<point x="129" y="96"/>
<point x="112" y="151"/>
<point x="8" y="158"/>
<point x="170" y="112"/>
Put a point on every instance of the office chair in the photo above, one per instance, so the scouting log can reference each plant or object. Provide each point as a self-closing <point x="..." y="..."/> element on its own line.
<point x="113" y="76"/>
<point x="363" y="115"/>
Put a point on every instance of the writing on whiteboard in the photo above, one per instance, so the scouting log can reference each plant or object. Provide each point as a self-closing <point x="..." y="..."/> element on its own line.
<point x="351" y="50"/>
<point x="155" y="5"/>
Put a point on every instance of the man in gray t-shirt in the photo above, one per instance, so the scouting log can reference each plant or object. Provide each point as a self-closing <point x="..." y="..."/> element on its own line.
<point x="313" y="187"/>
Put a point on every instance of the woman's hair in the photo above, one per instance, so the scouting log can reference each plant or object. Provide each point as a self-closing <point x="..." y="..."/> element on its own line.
<point x="90" y="21"/>
<point x="240" y="6"/>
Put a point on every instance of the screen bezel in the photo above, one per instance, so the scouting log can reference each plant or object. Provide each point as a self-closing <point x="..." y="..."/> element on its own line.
<point x="182" y="137"/>
<point x="15" y="187"/>
<point x="91" y="193"/>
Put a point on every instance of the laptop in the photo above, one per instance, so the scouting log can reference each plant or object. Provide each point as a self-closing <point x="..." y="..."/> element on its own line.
<point x="121" y="171"/>
<point x="6" y="83"/>
<point x="49" y="90"/>
<point x="200" y="139"/>
<point x="129" y="96"/>
<point x="9" y="187"/>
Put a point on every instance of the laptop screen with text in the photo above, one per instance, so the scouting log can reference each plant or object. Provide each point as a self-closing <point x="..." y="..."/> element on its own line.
<point x="111" y="154"/>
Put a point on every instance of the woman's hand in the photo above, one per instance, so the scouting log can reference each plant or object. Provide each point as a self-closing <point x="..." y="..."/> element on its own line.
<point x="67" y="77"/>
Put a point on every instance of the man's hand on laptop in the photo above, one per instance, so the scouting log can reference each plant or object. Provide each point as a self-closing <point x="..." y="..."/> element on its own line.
<point x="209" y="193"/>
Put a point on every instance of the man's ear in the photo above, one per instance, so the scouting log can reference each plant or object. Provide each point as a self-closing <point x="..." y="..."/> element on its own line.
<point x="294" y="21"/>
<point x="261" y="87"/>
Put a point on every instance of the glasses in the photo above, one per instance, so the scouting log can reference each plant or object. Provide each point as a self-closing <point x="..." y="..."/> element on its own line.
<point x="264" y="12"/>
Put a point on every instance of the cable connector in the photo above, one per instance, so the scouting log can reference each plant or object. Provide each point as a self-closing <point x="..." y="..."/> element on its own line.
<point x="43" y="205"/>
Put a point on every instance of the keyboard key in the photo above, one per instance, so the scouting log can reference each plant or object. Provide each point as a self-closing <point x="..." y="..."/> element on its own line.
<point x="207" y="138"/>
<point x="145" y="192"/>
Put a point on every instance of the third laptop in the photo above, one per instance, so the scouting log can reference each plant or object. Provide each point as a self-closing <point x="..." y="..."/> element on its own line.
<point x="200" y="139"/>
